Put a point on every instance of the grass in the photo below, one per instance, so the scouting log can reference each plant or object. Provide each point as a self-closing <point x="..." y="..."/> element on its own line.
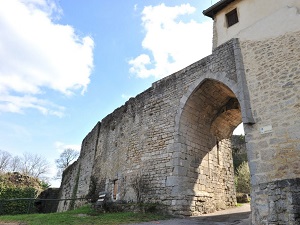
<point x="82" y="216"/>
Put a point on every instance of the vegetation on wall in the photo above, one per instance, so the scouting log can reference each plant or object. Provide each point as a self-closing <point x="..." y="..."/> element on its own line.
<point x="74" y="192"/>
<point x="93" y="193"/>
<point x="140" y="186"/>
<point x="18" y="180"/>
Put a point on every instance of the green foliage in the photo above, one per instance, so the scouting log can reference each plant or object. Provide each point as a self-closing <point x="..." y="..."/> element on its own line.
<point x="15" y="179"/>
<point x="239" y="152"/>
<point x="45" y="185"/>
<point x="84" y="215"/>
<point x="242" y="178"/>
<point x="14" y="187"/>
<point x="11" y="207"/>
<point x="240" y="164"/>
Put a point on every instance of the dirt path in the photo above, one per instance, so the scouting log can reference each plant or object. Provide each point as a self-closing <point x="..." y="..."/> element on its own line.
<point x="235" y="216"/>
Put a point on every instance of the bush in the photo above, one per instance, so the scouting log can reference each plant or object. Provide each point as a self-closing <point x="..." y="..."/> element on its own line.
<point x="17" y="192"/>
<point x="242" y="198"/>
<point x="242" y="178"/>
<point x="239" y="152"/>
<point x="11" y="207"/>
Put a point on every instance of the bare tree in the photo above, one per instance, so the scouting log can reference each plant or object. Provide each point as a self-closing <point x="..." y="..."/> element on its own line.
<point x="5" y="158"/>
<point x="67" y="157"/>
<point x="15" y="164"/>
<point x="34" y="165"/>
<point x="29" y="164"/>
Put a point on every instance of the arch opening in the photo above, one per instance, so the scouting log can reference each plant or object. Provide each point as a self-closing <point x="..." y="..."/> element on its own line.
<point x="207" y="122"/>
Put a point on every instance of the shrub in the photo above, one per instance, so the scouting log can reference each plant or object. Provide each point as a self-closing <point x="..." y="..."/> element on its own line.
<point x="9" y="206"/>
<point x="17" y="191"/>
<point x="239" y="152"/>
<point x="243" y="178"/>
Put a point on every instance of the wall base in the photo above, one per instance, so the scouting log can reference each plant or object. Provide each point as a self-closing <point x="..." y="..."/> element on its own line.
<point x="276" y="202"/>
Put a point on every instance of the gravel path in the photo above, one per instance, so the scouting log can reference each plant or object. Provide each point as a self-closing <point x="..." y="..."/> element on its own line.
<point x="235" y="216"/>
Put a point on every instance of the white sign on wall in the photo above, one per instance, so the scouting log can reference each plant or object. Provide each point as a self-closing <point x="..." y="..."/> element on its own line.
<point x="266" y="129"/>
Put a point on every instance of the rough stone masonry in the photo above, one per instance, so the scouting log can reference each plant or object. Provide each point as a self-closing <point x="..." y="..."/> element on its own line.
<point x="272" y="67"/>
<point x="174" y="136"/>
<point x="173" y="139"/>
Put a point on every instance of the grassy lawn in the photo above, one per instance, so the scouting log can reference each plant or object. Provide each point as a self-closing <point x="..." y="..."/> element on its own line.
<point x="82" y="216"/>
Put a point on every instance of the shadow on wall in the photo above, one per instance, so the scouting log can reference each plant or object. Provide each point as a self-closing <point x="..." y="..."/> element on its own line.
<point x="206" y="169"/>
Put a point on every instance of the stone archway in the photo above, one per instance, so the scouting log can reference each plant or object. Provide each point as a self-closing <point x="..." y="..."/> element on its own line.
<point x="204" y="166"/>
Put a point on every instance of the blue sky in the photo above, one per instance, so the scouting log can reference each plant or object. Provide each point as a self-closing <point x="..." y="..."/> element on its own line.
<point x="64" y="65"/>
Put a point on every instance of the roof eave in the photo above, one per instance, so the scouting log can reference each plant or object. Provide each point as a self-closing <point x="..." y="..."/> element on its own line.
<point x="214" y="9"/>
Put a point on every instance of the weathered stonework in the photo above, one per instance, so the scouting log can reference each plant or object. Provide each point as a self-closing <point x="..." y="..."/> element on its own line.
<point x="173" y="139"/>
<point x="278" y="202"/>
<point x="76" y="179"/>
<point x="174" y="136"/>
<point x="273" y="74"/>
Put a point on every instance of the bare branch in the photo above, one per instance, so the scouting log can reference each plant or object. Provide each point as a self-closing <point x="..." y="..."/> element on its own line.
<point x="5" y="158"/>
<point x="15" y="163"/>
<point x="34" y="165"/>
<point x="67" y="157"/>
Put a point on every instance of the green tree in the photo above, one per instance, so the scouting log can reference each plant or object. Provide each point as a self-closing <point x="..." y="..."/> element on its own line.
<point x="243" y="178"/>
<point x="239" y="152"/>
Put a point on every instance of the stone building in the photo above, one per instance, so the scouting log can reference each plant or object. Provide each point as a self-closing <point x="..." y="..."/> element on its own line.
<point x="173" y="139"/>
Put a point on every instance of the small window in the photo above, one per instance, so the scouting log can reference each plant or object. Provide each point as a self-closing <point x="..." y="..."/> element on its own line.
<point x="232" y="18"/>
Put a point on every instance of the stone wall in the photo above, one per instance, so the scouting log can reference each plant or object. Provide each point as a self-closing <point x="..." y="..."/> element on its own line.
<point x="272" y="69"/>
<point x="214" y="187"/>
<point x="172" y="139"/>
<point x="160" y="139"/>
<point x="45" y="202"/>
<point x="76" y="181"/>
<point x="279" y="202"/>
<point x="142" y="139"/>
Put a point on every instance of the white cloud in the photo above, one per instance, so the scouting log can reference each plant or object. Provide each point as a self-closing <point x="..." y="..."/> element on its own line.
<point x="173" y="44"/>
<point x="16" y="104"/>
<point x="37" y="54"/>
<point x="60" y="146"/>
